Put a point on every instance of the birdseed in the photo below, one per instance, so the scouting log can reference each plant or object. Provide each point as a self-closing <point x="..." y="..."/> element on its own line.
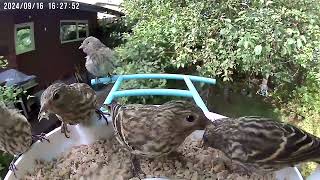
<point x="105" y="159"/>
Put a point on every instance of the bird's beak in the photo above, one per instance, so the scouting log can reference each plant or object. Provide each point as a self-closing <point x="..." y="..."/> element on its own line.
<point x="205" y="122"/>
<point x="81" y="46"/>
<point x="43" y="114"/>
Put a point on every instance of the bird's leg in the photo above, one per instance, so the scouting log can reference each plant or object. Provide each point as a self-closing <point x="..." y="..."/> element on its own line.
<point x="136" y="167"/>
<point x="12" y="166"/>
<point x="102" y="115"/>
<point x="40" y="137"/>
<point x="64" y="130"/>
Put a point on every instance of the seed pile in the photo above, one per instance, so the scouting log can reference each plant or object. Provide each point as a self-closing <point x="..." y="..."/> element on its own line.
<point x="105" y="159"/>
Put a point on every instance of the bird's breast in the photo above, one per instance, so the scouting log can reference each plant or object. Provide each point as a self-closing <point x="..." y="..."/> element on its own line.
<point x="16" y="140"/>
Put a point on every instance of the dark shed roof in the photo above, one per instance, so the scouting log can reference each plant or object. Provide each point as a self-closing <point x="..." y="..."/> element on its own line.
<point x="82" y="6"/>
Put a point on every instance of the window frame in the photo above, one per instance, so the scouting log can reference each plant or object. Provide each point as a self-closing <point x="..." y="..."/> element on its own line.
<point x="77" y="30"/>
<point x="20" y="25"/>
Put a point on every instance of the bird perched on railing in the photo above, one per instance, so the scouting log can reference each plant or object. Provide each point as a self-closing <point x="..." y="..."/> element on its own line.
<point x="72" y="104"/>
<point x="15" y="133"/>
<point x="261" y="145"/>
<point x="155" y="131"/>
<point x="100" y="59"/>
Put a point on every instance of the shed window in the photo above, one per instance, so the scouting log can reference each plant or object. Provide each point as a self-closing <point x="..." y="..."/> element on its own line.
<point x="73" y="30"/>
<point x="24" y="37"/>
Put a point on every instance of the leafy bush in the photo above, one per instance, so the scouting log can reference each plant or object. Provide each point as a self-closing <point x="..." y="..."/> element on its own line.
<point x="227" y="39"/>
<point x="231" y="40"/>
<point x="9" y="94"/>
<point x="111" y="32"/>
<point x="223" y="39"/>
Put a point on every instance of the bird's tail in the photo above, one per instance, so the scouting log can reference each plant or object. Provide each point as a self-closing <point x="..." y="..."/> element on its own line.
<point x="78" y="75"/>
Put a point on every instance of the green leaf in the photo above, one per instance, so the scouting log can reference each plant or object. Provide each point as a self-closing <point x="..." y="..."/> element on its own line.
<point x="225" y="78"/>
<point x="258" y="50"/>
<point x="228" y="20"/>
<point x="246" y="44"/>
<point x="290" y="41"/>
<point x="268" y="48"/>
<point x="268" y="3"/>
<point x="299" y="43"/>
<point x="303" y="38"/>
<point x="289" y="31"/>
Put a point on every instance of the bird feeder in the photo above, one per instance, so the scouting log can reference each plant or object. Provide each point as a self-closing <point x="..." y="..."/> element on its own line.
<point x="88" y="135"/>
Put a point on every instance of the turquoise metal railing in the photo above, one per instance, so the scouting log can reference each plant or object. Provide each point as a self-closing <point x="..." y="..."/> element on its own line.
<point x="192" y="92"/>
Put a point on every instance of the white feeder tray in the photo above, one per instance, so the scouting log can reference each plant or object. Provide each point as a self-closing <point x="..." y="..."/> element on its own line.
<point x="80" y="135"/>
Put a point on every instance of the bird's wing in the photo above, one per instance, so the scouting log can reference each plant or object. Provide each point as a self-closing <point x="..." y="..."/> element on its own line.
<point x="298" y="146"/>
<point x="101" y="62"/>
<point x="82" y="102"/>
<point x="133" y="124"/>
<point x="102" y="55"/>
<point x="263" y="140"/>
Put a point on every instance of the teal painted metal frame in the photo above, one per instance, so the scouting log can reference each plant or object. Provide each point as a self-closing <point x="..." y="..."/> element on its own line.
<point x="192" y="92"/>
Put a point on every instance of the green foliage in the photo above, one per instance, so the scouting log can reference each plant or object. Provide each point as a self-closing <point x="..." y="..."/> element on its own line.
<point x="111" y="33"/>
<point x="24" y="41"/>
<point x="223" y="37"/>
<point x="3" y="62"/>
<point x="5" y="160"/>
<point x="231" y="40"/>
<point x="9" y="94"/>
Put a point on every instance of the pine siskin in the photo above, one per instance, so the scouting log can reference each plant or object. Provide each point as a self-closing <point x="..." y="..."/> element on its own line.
<point x="100" y="59"/>
<point x="261" y="145"/>
<point x="155" y="131"/>
<point x="72" y="104"/>
<point x="16" y="137"/>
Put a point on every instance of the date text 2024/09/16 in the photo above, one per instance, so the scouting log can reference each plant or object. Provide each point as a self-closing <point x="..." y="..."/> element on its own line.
<point x="39" y="5"/>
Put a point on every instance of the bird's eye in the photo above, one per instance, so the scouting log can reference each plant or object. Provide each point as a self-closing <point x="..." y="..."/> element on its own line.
<point x="56" y="96"/>
<point x="190" y="118"/>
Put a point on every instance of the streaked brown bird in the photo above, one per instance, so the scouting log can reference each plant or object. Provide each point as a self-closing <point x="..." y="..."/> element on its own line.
<point x="100" y="59"/>
<point x="261" y="145"/>
<point x="15" y="133"/>
<point x="155" y="131"/>
<point x="72" y="104"/>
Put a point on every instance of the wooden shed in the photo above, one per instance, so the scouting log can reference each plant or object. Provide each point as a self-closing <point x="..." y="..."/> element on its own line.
<point x="44" y="42"/>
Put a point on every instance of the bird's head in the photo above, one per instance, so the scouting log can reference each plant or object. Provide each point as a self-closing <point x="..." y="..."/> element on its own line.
<point x="186" y="116"/>
<point x="52" y="98"/>
<point x="91" y="45"/>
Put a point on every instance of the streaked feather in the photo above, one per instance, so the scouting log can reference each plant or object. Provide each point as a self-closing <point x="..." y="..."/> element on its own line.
<point x="154" y="131"/>
<point x="262" y="143"/>
<point x="15" y="130"/>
